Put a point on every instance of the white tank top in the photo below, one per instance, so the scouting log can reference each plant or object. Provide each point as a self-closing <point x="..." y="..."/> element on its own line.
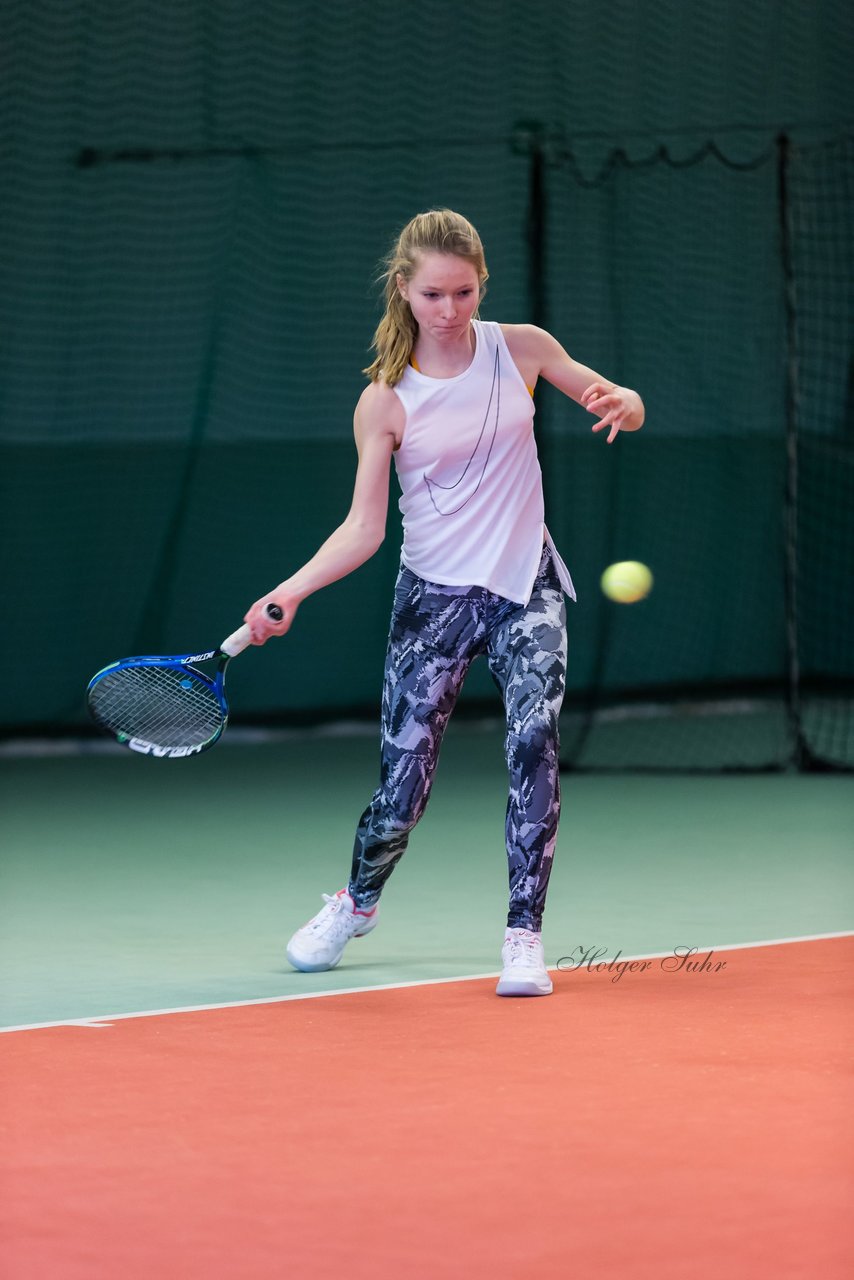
<point x="472" y="489"/>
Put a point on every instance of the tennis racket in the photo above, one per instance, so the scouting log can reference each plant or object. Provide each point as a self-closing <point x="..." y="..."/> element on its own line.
<point x="167" y="706"/>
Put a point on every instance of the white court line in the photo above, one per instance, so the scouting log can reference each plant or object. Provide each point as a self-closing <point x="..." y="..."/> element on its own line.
<point x="107" y="1019"/>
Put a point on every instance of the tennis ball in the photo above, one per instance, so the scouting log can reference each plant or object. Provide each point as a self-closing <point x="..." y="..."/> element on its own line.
<point x="627" y="581"/>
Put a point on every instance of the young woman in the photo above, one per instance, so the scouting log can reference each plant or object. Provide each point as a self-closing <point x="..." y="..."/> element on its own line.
<point x="450" y="399"/>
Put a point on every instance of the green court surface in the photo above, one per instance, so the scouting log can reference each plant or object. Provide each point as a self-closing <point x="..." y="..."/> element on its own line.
<point x="131" y="884"/>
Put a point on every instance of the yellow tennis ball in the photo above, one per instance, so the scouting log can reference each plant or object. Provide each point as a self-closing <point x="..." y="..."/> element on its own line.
<point x="627" y="581"/>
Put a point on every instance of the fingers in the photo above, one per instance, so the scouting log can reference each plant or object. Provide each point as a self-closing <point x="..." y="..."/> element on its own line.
<point x="602" y="404"/>
<point x="605" y="400"/>
<point x="595" y="389"/>
<point x="263" y="625"/>
<point x="596" y="392"/>
<point x="259" y="626"/>
<point x="613" y="419"/>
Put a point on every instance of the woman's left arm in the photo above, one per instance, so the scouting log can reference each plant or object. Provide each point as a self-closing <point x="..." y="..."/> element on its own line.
<point x="617" y="407"/>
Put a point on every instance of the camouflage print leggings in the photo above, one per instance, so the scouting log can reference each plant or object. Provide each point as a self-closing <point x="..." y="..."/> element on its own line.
<point x="436" y="632"/>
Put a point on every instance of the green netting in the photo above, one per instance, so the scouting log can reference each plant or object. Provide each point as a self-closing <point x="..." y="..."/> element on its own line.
<point x="195" y="201"/>
<point x="821" y="218"/>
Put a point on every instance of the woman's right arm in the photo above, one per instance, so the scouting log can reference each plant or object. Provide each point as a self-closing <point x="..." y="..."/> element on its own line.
<point x="378" y="428"/>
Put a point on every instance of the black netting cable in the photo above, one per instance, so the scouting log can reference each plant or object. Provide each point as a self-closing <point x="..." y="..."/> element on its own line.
<point x="555" y="147"/>
<point x="800" y="751"/>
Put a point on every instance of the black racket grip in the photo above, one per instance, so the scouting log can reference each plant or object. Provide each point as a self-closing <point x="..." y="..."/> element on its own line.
<point x="275" y="612"/>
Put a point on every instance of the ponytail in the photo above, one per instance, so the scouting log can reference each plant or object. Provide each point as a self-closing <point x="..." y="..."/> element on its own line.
<point x="439" y="231"/>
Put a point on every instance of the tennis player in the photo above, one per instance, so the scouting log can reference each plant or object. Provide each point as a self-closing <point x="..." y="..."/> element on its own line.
<point x="450" y="400"/>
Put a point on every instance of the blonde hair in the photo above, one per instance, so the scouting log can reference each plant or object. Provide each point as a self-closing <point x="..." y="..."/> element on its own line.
<point x="439" y="231"/>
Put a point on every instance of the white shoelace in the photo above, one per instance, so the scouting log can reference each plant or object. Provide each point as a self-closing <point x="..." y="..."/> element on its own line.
<point x="524" y="950"/>
<point x="333" y="918"/>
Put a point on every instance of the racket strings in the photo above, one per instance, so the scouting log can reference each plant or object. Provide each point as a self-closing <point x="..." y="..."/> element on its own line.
<point x="165" y="706"/>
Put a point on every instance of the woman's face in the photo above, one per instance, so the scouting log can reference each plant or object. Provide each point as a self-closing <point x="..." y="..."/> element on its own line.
<point x="443" y="294"/>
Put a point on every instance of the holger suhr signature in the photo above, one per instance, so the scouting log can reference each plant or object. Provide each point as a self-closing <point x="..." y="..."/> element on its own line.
<point x="681" y="961"/>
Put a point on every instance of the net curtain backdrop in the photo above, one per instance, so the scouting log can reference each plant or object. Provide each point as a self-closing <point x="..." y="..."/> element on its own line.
<point x="196" y="199"/>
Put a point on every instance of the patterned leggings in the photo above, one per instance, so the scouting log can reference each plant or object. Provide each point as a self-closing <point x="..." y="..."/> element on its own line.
<point x="436" y="632"/>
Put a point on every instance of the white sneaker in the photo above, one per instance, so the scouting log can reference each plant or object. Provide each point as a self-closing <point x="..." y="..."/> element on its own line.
<point x="320" y="943"/>
<point x="524" y="972"/>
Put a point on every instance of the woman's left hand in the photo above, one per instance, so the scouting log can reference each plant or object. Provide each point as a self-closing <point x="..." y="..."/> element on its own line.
<point x="618" y="407"/>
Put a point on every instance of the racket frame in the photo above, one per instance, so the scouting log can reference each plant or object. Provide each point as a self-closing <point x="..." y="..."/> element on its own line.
<point x="173" y="662"/>
<point x="230" y="648"/>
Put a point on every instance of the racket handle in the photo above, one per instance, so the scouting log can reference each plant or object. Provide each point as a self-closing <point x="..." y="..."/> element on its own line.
<point x="242" y="637"/>
<point x="237" y="641"/>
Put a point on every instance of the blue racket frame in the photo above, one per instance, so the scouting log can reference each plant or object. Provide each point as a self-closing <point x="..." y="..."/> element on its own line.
<point x="144" y="704"/>
<point x="186" y="663"/>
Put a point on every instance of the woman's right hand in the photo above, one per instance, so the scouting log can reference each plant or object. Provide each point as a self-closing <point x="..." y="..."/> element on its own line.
<point x="259" y="621"/>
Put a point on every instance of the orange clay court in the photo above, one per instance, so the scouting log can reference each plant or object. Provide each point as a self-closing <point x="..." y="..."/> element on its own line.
<point x="644" y="1128"/>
